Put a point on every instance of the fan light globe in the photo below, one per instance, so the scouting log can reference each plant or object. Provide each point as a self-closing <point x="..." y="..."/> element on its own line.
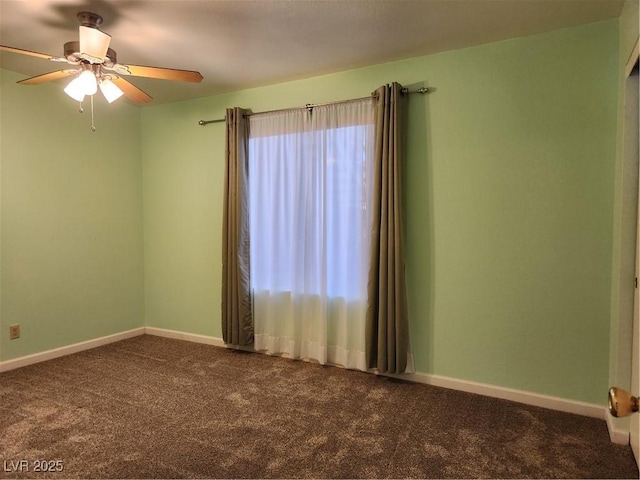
<point x="83" y="84"/>
<point x="110" y="90"/>
<point x="75" y="90"/>
<point x="88" y="82"/>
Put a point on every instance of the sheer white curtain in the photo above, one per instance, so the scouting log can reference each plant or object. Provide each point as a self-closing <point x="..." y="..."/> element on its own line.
<point x="310" y="184"/>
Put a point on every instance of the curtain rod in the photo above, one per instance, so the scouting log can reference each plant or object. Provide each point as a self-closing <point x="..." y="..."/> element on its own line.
<point x="311" y="106"/>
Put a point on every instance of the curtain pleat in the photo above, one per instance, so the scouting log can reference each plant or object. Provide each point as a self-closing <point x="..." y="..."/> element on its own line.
<point x="386" y="328"/>
<point x="237" y="317"/>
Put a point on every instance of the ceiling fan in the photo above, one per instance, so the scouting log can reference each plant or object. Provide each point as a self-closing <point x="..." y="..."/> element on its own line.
<point x="95" y="66"/>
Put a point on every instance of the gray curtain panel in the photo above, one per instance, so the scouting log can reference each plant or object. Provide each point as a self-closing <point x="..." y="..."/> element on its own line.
<point x="237" y="316"/>
<point x="386" y="321"/>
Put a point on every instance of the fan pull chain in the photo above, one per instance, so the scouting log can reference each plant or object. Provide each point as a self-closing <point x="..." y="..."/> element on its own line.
<point x="81" y="110"/>
<point x="93" y="127"/>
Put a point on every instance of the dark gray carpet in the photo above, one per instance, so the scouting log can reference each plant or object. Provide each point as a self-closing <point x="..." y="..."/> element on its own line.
<point x="151" y="407"/>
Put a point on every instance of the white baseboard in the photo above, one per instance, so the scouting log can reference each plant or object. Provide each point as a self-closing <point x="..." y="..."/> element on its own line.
<point x="618" y="430"/>
<point x="617" y="434"/>
<point x="98" y="342"/>
<point x="189" y="337"/>
<point x="520" y="396"/>
<point x="68" y="350"/>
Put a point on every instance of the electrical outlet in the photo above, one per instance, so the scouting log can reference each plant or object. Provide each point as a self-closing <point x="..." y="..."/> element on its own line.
<point x="14" y="332"/>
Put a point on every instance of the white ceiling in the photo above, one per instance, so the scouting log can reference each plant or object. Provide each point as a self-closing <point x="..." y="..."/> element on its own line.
<point x="246" y="43"/>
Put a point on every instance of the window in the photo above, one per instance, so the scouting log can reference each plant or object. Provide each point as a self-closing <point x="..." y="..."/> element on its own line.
<point x="310" y="192"/>
<point x="310" y="189"/>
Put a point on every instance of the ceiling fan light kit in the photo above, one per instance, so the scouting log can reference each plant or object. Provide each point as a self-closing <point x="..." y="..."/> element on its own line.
<point x="98" y="67"/>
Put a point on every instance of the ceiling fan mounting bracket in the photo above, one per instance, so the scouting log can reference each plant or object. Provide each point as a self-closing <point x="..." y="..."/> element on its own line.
<point x="88" y="19"/>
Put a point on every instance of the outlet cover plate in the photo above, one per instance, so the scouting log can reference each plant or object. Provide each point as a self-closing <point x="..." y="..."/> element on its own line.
<point x="14" y="332"/>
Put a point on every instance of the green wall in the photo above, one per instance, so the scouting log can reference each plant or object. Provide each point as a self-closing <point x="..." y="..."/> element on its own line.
<point x="509" y="196"/>
<point x="71" y="213"/>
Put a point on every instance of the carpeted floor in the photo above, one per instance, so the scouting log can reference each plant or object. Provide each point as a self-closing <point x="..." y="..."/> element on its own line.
<point x="151" y="407"/>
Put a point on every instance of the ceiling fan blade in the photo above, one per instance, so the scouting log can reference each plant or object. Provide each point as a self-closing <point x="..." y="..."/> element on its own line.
<point x="130" y="91"/>
<point x="47" y="77"/>
<point x="164" y="73"/>
<point x="26" y="52"/>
